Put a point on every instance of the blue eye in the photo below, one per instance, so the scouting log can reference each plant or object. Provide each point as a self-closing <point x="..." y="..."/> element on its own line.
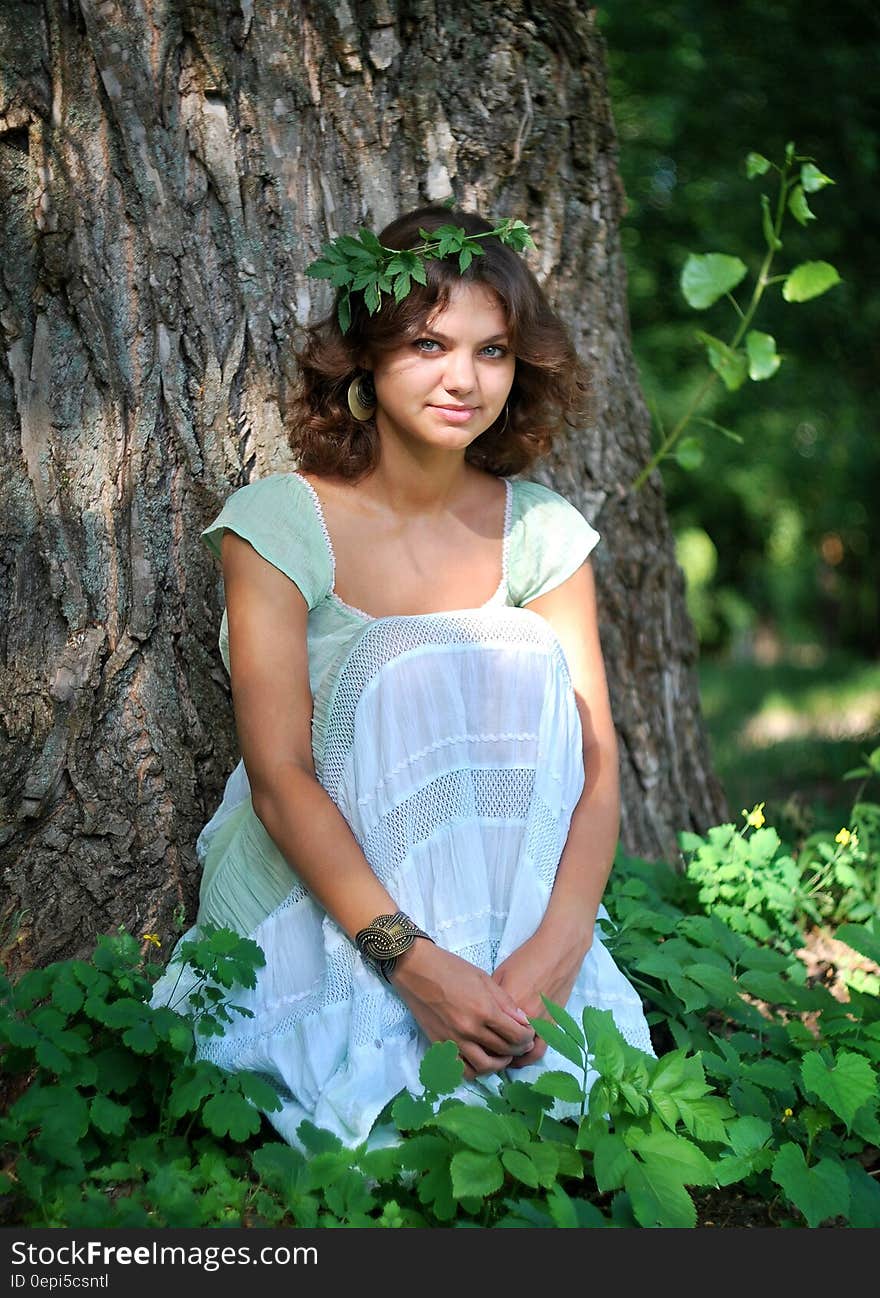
<point x="498" y="349"/>
<point x="420" y="344"/>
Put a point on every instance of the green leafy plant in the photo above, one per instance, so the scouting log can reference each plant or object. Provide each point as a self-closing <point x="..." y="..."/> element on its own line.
<point x="707" y="277"/>
<point x="109" y="1114"/>
<point x="766" y="1083"/>
<point x="360" y="263"/>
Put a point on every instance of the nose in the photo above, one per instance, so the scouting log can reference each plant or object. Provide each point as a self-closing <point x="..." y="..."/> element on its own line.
<point x="460" y="374"/>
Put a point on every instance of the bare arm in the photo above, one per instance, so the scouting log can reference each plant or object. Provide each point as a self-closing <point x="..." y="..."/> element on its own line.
<point x="268" y="659"/>
<point x="548" y="962"/>
<point x="589" y="849"/>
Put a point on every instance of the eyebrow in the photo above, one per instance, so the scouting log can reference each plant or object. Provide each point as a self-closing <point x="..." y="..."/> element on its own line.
<point x="444" y="339"/>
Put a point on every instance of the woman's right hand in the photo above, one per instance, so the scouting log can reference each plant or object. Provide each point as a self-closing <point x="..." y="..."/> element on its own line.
<point x="453" y="1000"/>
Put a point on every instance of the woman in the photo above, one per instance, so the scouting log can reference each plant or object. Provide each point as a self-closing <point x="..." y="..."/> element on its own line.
<point x="422" y="826"/>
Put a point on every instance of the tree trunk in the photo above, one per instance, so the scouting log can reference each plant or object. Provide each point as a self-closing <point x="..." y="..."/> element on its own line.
<point x="168" y="170"/>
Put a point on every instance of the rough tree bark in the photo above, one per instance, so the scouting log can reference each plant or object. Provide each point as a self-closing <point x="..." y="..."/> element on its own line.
<point x="168" y="170"/>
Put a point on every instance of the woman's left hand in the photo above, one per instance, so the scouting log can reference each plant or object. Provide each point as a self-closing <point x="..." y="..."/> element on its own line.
<point x="543" y="964"/>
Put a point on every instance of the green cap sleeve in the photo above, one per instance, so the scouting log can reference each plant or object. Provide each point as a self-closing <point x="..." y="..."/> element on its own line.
<point x="277" y="516"/>
<point x="550" y="539"/>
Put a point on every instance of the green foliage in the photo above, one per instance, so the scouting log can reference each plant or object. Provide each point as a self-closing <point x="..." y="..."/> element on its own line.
<point x="708" y="277"/>
<point x="764" y="1080"/>
<point x="111" y="1120"/>
<point x="361" y="264"/>
<point x="805" y="476"/>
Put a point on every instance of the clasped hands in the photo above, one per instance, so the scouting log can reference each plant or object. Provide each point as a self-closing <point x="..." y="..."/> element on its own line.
<point x="488" y="1015"/>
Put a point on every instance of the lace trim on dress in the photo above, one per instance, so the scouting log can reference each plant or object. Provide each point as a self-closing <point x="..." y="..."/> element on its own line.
<point x="498" y="595"/>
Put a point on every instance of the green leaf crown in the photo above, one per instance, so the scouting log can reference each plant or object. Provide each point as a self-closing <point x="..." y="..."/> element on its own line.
<point x="360" y="263"/>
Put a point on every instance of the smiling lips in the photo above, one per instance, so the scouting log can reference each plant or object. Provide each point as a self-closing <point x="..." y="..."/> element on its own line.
<point x="457" y="414"/>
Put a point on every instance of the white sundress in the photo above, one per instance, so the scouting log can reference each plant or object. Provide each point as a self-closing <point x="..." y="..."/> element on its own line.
<point x="451" y="743"/>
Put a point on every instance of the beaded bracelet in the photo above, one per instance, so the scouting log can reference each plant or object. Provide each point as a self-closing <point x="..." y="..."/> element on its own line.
<point x="385" y="939"/>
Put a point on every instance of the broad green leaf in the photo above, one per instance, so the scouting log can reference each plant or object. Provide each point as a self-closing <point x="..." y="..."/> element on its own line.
<point x="343" y="312"/>
<point x="669" y="1072"/>
<point x="658" y="1197"/>
<point x="861" y="939"/>
<point x="569" y="1025"/>
<point x="818" y="1192"/>
<point x="721" y="984"/>
<point x="260" y="1092"/>
<point x="558" y="1040"/>
<point x="52" y="1058"/>
<point x="479" y="1128"/>
<point x="371" y="298"/>
<point x="277" y="1165"/>
<point x="756" y="165"/>
<point x="562" y="1209"/>
<point x="812" y="178"/>
<point x="67" y="995"/>
<point x="689" y="453"/>
<point x="808" y="280"/>
<point x="551" y="1160"/>
<point x="370" y="240"/>
<point x="731" y="1169"/>
<point x="689" y="1164"/>
<point x="708" y="276"/>
<point x="764" y="360"/>
<point x="475" y="1174"/>
<point x="704" y="1118"/>
<point x="867" y="1125"/>
<point x="799" y="207"/>
<point x="563" y="1086"/>
<point x="441" y="1069"/>
<point x="141" y="1038"/>
<point x="318" y="1141"/>
<point x="768" y="987"/>
<point x="845" y="1087"/>
<point x="611" y="1161"/>
<point x="108" y="1116"/>
<point x="22" y="1035"/>
<point x="666" y="1106"/>
<point x="637" y="1102"/>
<point x="729" y="364"/>
<point x="605" y="1044"/>
<point x="691" y="996"/>
<point x="520" y="1166"/>
<point x="864" y="1195"/>
<point x="431" y="1155"/>
<point x="772" y="1074"/>
<point x="230" y="1114"/>
<point x="188" y="1091"/>
<point x="410" y="1112"/>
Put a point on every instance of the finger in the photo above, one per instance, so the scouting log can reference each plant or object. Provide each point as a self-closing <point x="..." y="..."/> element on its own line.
<point x="494" y="1043"/>
<point x="532" y="1056"/>
<point x="480" y="1060"/>
<point x="516" y="1031"/>
<point x="508" y="1005"/>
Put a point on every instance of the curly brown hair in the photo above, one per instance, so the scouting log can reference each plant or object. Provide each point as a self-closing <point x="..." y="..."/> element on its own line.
<point x="551" y="384"/>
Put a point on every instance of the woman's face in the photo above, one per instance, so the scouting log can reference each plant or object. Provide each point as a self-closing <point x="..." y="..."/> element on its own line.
<point x="450" y="384"/>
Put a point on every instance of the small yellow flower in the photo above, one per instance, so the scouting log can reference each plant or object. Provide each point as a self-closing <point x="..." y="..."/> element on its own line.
<point x="152" y="937"/>
<point x="786" y="1114"/>
<point x="844" y="838"/>
<point x="755" y="817"/>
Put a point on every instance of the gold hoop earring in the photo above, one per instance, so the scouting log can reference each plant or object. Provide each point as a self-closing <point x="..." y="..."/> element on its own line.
<point x="362" y="397"/>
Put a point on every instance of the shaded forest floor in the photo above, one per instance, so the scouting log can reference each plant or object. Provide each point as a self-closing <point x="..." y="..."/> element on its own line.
<point x="785" y="733"/>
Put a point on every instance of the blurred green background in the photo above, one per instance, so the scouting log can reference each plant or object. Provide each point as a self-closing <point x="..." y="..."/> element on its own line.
<point x="779" y="536"/>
